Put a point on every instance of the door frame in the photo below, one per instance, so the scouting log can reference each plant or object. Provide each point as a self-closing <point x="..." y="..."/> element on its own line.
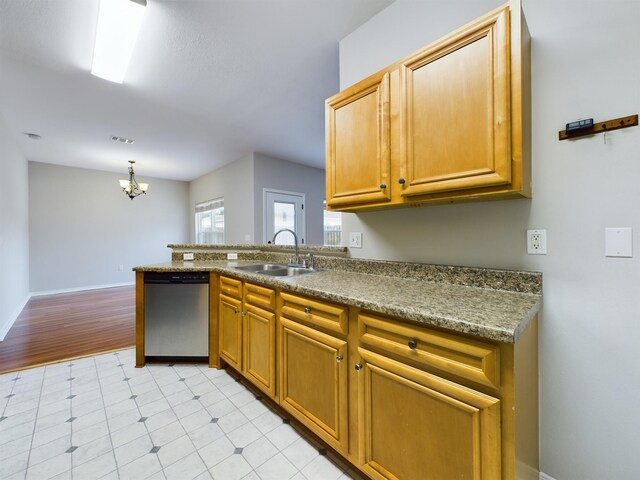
<point x="302" y="234"/>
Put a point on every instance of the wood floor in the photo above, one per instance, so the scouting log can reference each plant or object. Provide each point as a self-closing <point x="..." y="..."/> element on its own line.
<point x="69" y="325"/>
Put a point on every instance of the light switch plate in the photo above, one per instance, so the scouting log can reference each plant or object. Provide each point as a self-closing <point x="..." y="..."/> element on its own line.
<point x="355" y="239"/>
<point x="618" y="242"/>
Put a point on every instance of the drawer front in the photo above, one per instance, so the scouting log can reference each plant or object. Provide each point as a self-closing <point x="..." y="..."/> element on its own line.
<point x="260" y="296"/>
<point x="325" y="315"/>
<point x="231" y="287"/>
<point x="469" y="359"/>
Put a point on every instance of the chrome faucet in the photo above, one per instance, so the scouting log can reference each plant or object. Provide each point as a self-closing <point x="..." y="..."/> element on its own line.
<point x="295" y="238"/>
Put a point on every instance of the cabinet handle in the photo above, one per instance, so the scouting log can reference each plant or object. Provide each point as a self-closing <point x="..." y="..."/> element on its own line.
<point x="339" y="358"/>
<point x="358" y="367"/>
<point x="412" y="344"/>
<point x="401" y="181"/>
<point x="307" y="310"/>
<point x="383" y="186"/>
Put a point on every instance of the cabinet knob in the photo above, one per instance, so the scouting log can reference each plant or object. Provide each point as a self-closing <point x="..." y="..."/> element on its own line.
<point x="383" y="186"/>
<point x="358" y="367"/>
<point x="339" y="358"/>
<point x="243" y="313"/>
<point x="307" y="310"/>
<point x="235" y="310"/>
<point x="412" y="344"/>
<point x="401" y="181"/>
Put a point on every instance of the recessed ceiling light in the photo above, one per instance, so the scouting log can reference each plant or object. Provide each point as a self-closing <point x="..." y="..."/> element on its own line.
<point x="128" y="141"/>
<point x="32" y="136"/>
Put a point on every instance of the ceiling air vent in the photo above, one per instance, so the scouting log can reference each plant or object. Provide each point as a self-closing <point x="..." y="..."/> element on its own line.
<point x="128" y="141"/>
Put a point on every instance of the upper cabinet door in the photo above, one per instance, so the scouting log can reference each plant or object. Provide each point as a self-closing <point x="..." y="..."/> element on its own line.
<point x="358" y="145"/>
<point x="455" y="110"/>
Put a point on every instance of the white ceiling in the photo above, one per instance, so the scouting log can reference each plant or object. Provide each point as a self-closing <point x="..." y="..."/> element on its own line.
<point x="209" y="82"/>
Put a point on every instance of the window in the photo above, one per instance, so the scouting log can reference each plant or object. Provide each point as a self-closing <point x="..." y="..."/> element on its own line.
<point x="210" y="222"/>
<point x="332" y="229"/>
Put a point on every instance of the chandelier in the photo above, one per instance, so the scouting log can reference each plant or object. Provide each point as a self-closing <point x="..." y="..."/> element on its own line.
<point x="131" y="187"/>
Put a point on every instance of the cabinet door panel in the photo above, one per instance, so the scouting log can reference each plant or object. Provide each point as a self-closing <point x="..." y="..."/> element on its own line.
<point x="415" y="425"/>
<point x="455" y="111"/>
<point x="314" y="381"/>
<point x="231" y="331"/>
<point x="358" y="144"/>
<point x="259" y="359"/>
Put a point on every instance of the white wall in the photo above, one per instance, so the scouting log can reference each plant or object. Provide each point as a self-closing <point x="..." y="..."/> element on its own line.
<point x="234" y="182"/>
<point x="279" y="174"/>
<point x="83" y="227"/>
<point x="585" y="64"/>
<point x="14" y="230"/>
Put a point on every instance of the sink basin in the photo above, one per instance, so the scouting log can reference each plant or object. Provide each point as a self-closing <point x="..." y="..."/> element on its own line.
<point x="276" y="270"/>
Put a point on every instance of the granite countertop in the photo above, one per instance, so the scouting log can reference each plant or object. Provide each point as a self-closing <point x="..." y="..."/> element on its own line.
<point x="488" y="313"/>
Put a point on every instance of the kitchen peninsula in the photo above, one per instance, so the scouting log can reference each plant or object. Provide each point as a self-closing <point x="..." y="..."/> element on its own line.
<point x="401" y="368"/>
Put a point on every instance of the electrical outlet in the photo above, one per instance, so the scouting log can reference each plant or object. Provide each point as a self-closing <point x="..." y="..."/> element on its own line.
<point x="187" y="256"/>
<point x="355" y="239"/>
<point x="232" y="256"/>
<point x="537" y="242"/>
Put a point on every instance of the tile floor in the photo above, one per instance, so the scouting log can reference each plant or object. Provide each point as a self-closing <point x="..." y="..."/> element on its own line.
<point x="101" y="418"/>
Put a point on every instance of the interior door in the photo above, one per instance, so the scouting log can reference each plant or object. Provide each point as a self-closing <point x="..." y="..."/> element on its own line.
<point x="284" y="210"/>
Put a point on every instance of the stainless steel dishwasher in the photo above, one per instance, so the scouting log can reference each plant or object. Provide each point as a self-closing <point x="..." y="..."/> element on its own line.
<point x="176" y="316"/>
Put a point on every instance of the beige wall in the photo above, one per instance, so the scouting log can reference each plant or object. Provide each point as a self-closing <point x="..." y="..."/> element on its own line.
<point x="241" y="183"/>
<point x="83" y="227"/>
<point x="233" y="182"/>
<point x="590" y="330"/>
<point x="14" y="230"/>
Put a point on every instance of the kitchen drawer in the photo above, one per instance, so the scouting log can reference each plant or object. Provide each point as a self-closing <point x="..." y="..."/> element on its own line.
<point x="321" y="314"/>
<point x="260" y="296"/>
<point x="231" y="287"/>
<point x="469" y="359"/>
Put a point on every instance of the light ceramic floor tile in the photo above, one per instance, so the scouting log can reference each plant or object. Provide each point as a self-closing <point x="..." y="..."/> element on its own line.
<point x="133" y="450"/>
<point x="233" y="468"/>
<point x="283" y="436"/>
<point x="276" y="468"/>
<point x="244" y="435"/>
<point x="97" y="467"/>
<point x="259" y="452"/>
<point x="217" y="451"/>
<point x="175" y="450"/>
<point x="100" y="417"/>
<point x="205" y="434"/>
<point x="188" y="467"/>
<point x="321" y="468"/>
<point x="300" y="453"/>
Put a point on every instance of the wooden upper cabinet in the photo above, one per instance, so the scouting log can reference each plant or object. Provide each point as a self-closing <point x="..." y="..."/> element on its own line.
<point x="450" y="123"/>
<point x="358" y="147"/>
<point x="455" y="110"/>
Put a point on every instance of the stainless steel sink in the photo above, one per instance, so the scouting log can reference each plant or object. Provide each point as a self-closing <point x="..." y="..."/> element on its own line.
<point x="276" y="270"/>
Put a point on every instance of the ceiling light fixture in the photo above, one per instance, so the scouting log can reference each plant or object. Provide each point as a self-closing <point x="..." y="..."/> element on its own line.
<point x="131" y="187"/>
<point x="116" y="33"/>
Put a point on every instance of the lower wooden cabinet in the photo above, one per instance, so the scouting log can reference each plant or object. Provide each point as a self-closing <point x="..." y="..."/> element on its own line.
<point x="247" y="332"/>
<point x="398" y="400"/>
<point x="313" y="381"/>
<point x="415" y="425"/>
<point x="230" y="325"/>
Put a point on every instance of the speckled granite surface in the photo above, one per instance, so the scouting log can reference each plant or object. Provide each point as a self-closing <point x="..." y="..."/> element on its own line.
<point x="432" y="295"/>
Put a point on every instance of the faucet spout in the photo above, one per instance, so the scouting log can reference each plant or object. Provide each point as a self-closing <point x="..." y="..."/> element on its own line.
<point x="295" y="238"/>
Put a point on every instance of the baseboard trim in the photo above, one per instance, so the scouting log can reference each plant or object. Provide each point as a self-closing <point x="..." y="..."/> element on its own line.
<point x="12" y="319"/>
<point x="80" y="289"/>
<point x="544" y="476"/>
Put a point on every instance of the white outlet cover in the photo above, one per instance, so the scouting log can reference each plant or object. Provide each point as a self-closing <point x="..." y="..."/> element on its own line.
<point x="187" y="256"/>
<point x="355" y="239"/>
<point x="232" y="256"/>
<point x="618" y="242"/>
<point x="542" y="248"/>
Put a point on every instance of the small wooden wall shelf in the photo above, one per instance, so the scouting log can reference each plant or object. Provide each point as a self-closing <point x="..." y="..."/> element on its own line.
<point x="609" y="125"/>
